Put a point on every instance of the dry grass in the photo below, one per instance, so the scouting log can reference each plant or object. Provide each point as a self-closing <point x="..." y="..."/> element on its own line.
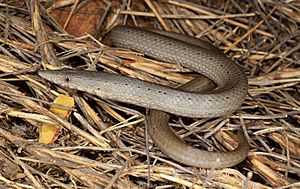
<point x="102" y="144"/>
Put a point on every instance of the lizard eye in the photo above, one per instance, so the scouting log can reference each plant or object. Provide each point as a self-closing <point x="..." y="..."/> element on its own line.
<point x="67" y="79"/>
